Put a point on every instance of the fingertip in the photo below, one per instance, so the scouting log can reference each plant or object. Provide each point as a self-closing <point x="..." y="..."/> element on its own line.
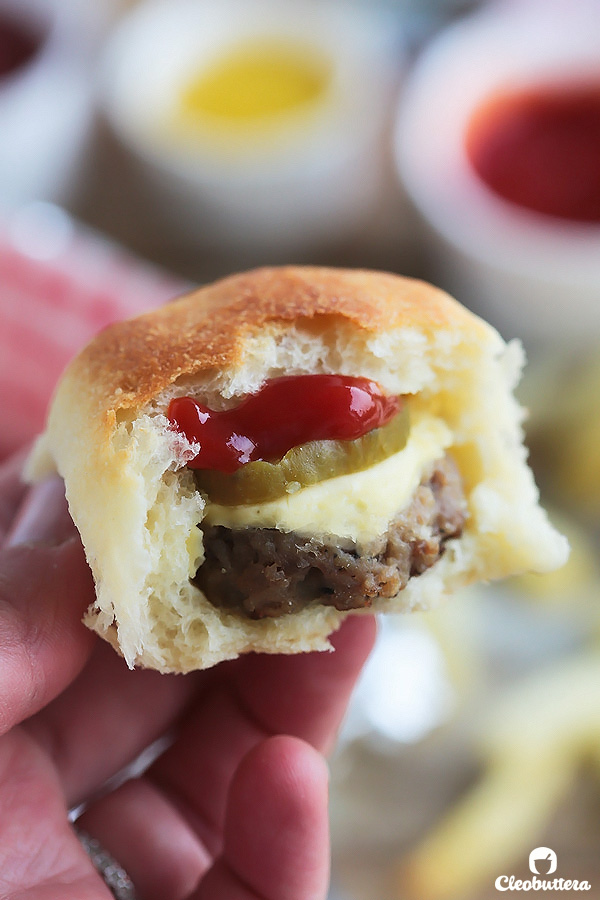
<point x="305" y="694"/>
<point x="277" y="832"/>
<point x="295" y="772"/>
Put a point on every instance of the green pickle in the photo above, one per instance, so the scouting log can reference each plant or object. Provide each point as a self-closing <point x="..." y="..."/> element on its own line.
<point x="260" y="481"/>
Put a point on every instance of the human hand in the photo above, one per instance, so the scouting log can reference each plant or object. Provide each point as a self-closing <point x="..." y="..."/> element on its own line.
<point x="234" y="809"/>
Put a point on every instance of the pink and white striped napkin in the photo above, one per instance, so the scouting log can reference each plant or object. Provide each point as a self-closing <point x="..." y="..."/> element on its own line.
<point x="59" y="285"/>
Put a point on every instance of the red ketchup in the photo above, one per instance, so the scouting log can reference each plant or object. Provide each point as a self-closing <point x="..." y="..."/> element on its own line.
<point x="284" y="413"/>
<point x="541" y="149"/>
<point x="17" y="45"/>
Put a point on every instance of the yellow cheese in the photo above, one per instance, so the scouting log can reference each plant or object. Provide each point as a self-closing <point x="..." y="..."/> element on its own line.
<point x="358" y="507"/>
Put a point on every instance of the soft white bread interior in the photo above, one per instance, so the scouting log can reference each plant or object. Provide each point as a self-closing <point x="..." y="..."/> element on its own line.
<point x="136" y="505"/>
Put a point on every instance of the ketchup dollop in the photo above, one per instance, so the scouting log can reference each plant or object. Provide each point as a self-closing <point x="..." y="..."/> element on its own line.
<point x="541" y="149"/>
<point x="284" y="413"/>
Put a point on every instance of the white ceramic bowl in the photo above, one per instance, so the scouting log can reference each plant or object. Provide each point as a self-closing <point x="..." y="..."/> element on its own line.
<point x="315" y="179"/>
<point x="532" y="275"/>
<point x="45" y="107"/>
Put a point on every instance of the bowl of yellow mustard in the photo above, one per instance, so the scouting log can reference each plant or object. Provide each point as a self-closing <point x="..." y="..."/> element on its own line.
<point x="256" y="121"/>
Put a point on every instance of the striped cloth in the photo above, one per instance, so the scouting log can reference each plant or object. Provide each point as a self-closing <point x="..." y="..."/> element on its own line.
<point x="59" y="285"/>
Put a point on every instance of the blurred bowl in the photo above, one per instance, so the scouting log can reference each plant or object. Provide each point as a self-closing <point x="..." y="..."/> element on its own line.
<point x="302" y="177"/>
<point x="533" y="275"/>
<point x="44" y="102"/>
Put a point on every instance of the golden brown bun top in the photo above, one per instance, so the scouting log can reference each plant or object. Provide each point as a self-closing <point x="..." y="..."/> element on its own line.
<point x="131" y="362"/>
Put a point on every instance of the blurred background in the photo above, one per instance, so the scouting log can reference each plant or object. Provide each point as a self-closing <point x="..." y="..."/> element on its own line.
<point x="146" y="146"/>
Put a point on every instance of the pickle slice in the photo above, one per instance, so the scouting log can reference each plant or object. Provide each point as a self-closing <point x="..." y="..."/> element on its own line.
<point x="260" y="481"/>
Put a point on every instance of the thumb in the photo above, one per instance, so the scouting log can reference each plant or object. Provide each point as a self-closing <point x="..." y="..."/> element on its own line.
<point x="45" y="587"/>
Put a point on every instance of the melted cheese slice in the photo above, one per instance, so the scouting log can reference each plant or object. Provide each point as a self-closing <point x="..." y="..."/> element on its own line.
<point x="357" y="507"/>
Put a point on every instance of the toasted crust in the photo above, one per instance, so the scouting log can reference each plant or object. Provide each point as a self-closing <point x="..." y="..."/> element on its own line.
<point x="135" y="501"/>
<point x="131" y="362"/>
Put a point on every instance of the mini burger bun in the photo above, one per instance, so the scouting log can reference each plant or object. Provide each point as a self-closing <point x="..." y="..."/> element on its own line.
<point x="135" y="503"/>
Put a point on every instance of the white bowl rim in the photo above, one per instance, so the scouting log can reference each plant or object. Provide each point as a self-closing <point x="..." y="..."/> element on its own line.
<point x="207" y="166"/>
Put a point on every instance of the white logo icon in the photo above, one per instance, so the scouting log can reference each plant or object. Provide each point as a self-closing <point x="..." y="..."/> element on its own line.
<point x="543" y="861"/>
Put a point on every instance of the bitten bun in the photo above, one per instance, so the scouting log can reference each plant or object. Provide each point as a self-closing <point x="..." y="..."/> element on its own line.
<point x="135" y="502"/>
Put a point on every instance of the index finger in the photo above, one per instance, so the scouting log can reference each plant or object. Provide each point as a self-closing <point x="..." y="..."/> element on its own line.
<point x="245" y="702"/>
<point x="259" y="696"/>
<point x="305" y="695"/>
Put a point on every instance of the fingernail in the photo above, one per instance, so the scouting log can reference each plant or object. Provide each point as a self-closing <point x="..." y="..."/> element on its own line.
<point x="43" y="516"/>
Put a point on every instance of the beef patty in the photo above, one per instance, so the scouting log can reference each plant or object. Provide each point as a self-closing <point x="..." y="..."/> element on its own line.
<point x="262" y="572"/>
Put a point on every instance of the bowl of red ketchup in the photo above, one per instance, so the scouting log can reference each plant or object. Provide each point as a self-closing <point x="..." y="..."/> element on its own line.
<point x="498" y="145"/>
